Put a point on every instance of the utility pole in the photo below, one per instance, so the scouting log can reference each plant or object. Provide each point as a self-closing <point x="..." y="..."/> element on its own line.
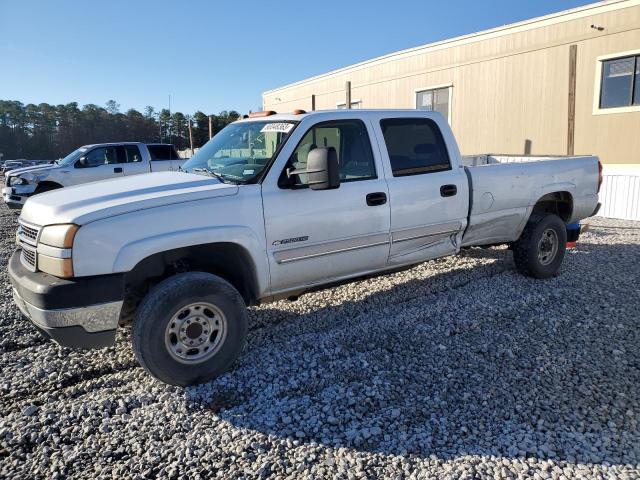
<point x="313" y="102"/>
<point x="190" y="138"/>
<point x="347" y="88"/>
<point x="210" y="126"/>
<point x="169" y="121"/>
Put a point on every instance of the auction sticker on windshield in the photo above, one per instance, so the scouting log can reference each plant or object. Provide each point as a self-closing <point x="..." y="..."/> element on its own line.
<point x="277" y="127"/>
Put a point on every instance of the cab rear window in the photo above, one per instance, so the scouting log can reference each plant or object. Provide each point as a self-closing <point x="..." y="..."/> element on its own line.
<point x="163" y="152"/>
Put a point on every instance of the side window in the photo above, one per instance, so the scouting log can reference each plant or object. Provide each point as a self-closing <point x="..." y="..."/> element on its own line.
<point x="162" y="152"/>
<point x="415" y="146"/>
<point x="352" y="145"/>
<point x="133" y="153"/>
<point x="102" y="156"/>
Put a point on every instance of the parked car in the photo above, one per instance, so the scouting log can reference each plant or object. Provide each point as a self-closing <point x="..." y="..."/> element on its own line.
<point x="89" y="164"/>
<point x="10" y="165"/>
<point x="272" y="207"/>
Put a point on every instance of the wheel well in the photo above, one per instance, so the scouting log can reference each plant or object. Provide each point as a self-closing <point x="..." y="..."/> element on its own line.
<point x="226" y="260"/>
<point x="48" y="185"/>
<point x="558" y="203"/>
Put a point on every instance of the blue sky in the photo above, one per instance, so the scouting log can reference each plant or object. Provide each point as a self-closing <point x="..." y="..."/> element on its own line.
<point x="214" y="56"/>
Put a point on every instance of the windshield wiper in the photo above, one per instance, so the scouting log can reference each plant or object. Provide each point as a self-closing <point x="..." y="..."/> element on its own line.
<point x="211" y="173"/>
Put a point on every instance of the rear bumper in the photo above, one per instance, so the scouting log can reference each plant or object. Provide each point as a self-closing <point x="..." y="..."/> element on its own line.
<point x="76" y="313"/>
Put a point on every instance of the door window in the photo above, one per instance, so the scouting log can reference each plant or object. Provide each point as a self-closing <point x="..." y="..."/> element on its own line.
<point x="132" y="153"/>
<point x="415" y="146"/>
<point x="102" y="156"/>
<point x="352" y="145"/>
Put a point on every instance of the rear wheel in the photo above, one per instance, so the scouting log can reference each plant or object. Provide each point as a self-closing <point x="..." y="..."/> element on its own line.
<point x="190" y="328"/>
<point x="540" y="249"/>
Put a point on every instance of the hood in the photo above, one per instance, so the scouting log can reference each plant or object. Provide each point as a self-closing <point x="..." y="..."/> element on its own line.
<point x="96" y="200"/>
<point x="34" y="169"/>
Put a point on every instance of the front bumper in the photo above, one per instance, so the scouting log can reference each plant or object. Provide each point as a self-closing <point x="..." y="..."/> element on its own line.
<point x="12" y="198"/>
<point x="76" y="313"/>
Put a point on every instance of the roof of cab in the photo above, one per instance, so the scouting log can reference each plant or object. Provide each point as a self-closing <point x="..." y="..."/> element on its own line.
<point x="279" y="117"/>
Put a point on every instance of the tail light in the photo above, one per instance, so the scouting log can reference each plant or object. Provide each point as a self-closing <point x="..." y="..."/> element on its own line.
<point x="599" y="175"/>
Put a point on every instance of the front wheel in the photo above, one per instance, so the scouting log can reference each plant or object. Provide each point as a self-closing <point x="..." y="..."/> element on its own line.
<point x="540" y="249"/>
<point x="190" y="328"/>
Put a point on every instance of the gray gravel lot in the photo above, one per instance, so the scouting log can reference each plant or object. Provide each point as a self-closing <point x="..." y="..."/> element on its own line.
<point x="457" y="368"/>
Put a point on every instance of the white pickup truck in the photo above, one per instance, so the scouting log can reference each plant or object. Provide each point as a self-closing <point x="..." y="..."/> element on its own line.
<point x="272" y="207"/>
<point x="89" y="164"/>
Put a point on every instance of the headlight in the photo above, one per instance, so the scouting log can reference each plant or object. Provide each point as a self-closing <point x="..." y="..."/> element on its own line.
<point x="60" y="236"/>
<point x="19" y="181"/>
<point x="54" y="250"/>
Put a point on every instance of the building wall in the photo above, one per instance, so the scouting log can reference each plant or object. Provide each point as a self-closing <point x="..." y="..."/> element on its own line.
<point x="510" y="86"/>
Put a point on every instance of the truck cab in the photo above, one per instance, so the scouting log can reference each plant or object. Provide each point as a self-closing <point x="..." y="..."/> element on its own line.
<point x="89" y="163"/>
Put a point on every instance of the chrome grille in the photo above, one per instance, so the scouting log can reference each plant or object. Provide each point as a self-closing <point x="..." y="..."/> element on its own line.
<point x="28" y="233"/>
<point x="28" y="240"/>
<point x="28" y="258"/>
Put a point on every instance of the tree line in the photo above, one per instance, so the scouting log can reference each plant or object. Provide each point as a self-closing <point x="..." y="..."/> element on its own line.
<point x="49" y="132"/>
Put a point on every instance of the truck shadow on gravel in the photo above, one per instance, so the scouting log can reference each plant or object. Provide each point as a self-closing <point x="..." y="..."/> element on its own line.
<point x="478" y="362"/>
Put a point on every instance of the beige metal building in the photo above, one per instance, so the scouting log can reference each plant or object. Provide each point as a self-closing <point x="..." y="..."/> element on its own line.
<point x="566" y="83"/>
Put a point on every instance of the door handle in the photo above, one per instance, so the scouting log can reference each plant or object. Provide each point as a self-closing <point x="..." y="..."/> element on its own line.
<point x="377" y="198"/>
<point x="117" y="170"/>
<point x="448" y="190"/>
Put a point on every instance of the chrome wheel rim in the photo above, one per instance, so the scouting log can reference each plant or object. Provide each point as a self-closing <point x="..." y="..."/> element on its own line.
<point x="195" y="333"/>
<point x="548" y="246"/>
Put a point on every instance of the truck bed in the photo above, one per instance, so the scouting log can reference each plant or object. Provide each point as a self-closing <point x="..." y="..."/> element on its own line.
<point x="504" y="189"/>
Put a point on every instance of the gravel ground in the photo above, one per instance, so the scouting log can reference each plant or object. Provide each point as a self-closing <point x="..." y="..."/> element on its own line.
<point x="458" y="368"/>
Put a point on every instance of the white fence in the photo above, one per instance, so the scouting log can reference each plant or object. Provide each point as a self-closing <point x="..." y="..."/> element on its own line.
<point x="620" y="193"/>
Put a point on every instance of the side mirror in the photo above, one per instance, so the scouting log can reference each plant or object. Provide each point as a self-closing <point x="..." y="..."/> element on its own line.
<point x="82" y="162"/>
<point x="323" y="169"/>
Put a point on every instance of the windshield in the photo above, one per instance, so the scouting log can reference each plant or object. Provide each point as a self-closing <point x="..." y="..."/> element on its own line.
<point x="240" y="151"/>
<point x="70" y="159"/>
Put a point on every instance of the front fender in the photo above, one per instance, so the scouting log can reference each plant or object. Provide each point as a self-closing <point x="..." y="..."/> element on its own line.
<point x="117" y="244"/>
<point x="61" y="177"/>
<point x="134" y="252"/>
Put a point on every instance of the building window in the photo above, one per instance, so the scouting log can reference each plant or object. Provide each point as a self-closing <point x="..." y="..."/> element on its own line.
<point x="435" y="100"/>
<point x="355" y="105"/>
<point x="620" y="82"/>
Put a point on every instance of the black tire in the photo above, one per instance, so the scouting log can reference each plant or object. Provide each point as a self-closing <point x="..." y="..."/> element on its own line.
<point x="529" y="248"/>
<point x="160" y="307"/>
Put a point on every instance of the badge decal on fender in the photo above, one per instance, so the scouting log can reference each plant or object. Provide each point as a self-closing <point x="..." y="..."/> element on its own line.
<point x="290" y="240"/>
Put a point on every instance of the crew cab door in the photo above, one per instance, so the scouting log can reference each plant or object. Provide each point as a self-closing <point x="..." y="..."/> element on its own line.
<point x="318" y="236"/>
<point x="99" y="163"/>
<point x="428" y="192"/>
<point x="132" y="161"/>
